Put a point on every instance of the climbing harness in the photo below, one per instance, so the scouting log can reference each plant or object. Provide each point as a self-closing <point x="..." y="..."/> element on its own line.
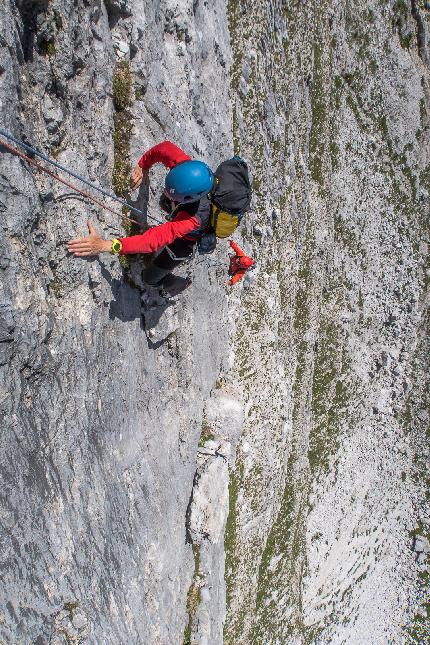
<point x="85" y="194"/>
<point x="176" y="258"/>
<point x="190" y="260"/>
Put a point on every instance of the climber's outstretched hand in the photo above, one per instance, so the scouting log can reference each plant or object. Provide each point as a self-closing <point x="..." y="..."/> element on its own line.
<point x="91" y="245"/>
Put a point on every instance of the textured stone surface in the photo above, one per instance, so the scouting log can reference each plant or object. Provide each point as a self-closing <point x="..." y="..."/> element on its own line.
<point x="331" y="479"/>
<point x="203" y="469"/>
<point x="100" y="422"/>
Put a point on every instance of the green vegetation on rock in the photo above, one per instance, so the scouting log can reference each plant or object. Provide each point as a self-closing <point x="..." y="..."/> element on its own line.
<point x="278" y="560"/>
<point x="329" y="396"/>
<point x="319" y="112"/>
<point x="235" y="481"/>
<point x="193" y="596"/>
<point x="123" y="127"/>
<point x="55" y="287"/>
<point x="206" y="433"/>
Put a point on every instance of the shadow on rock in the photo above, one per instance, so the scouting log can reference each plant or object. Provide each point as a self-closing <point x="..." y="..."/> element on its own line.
<point x="125" y="304"/>
<point x="154" y="310"/>
<point x="154" y="305"/>
<point x="159" y="312"/>
<point x="173" y="285"/>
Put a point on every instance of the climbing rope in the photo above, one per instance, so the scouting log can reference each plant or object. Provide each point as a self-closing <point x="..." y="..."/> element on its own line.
<point x="34" y="163"/>
<point x="66" y="183"/>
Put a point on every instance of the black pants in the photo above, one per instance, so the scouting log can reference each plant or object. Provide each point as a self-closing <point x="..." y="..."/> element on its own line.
<point x="163" y="264"/>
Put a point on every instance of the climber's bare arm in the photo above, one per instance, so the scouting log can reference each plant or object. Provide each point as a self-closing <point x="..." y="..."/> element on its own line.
<point x="93" y="244"/>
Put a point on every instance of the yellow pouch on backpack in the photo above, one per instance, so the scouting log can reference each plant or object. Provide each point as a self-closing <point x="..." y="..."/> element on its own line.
<point x="224" y="224"/>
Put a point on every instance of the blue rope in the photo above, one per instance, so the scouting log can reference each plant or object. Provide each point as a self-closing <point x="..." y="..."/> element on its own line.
<point x="75" y="175"/>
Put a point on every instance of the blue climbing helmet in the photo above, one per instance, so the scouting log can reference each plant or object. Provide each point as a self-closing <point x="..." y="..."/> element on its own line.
<point x="189" y="181"/>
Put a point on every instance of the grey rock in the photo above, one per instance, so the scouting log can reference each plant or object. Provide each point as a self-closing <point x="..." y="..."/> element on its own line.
<point x="57" y="640"/>
<point x="122" y="49"/>
<point x="225" y="449"/>
<point x="421" y="545"/>
<point x="209" y="506"/>
<point x="422" y="559"/>
<point x="243" y="87"/>
<point x="224" y="413"/>
<point x="120" y="7"/>
<point x="424" y="248"/>
<point x="423" y="415"/>
<point x="207" y="451"/>
<point x="276" y="216"/>
<point x="105" y="497"/>
<point x="79" y="620"/>
<point x="88" y="516"/>
<point x="7" y="324"/>
<point x="249" y="280"/>
<point x="52" y="114"/>
<point x="212" y="445"/>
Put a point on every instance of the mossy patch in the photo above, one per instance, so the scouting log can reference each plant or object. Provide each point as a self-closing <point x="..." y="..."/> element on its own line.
<point x="233" y="12"/>
<point x="415" y="420"/>
<point x="71" y="606"/>
<point x="279" y="560"/>
<point x="206" y="434"/>
<point x="194" y="597"/>
<point x="55" y="287"/>
<point x="47" y="47"/>
<point x="139" y="93"/>
<point x="123" y="128"/>
<point x="122" y="86"/>
<point x="418" y="629"/>
<point x="319" y="116"/>
<point x="400" y="23"/>
<point x="236" y="133"/>
<point x="230" y="543"/>
<point x="330" y="396"/>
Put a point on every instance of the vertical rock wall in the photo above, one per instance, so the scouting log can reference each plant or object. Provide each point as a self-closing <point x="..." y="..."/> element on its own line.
<point x="250" y="469"/>
<point x="101" y="405"/>
<point x="328" y="494"/>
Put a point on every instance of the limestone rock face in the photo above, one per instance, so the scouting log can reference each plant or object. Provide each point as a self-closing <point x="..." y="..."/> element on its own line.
<point x="217" y="466"/>
<point x="209" y="505"/>
<point x="331" y="100"/>
<point x="102" y="390"/>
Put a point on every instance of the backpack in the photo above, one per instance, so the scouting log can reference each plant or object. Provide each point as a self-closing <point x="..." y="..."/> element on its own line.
<point x="231" y="197"/>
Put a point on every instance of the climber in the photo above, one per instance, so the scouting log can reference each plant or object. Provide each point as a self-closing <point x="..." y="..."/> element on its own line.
<point x="239" y="264"/>
<point x="186" y="197"/>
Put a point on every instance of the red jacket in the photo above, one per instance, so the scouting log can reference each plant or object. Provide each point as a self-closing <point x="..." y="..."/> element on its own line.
<point x="182" y="223"/>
